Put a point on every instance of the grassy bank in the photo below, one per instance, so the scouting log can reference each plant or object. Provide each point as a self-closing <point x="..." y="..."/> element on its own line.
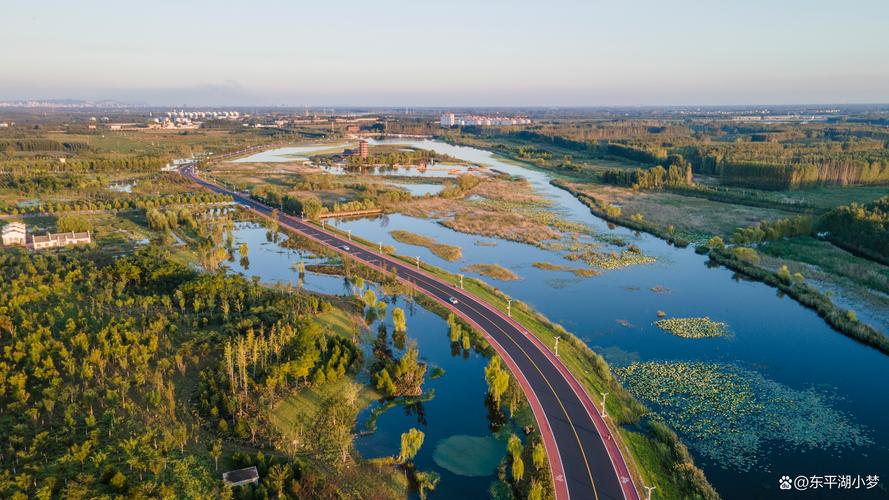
<point x="863" y="272"/>
<point x="615" y="216"/>
<point x="841" y="320"/>
<point x="366" y="478"/>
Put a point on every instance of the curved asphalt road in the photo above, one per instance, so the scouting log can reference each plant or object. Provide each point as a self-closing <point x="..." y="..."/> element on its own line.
<point x="585" y="461"/>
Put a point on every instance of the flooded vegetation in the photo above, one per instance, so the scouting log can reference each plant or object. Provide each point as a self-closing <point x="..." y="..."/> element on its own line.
<point x="492" y="271"/>
<point x="447" y="252"/>
<point x="732" y="415"/>
<point x="693" y="328"/>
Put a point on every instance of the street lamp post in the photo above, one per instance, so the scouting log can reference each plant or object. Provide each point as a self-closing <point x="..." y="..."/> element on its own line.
<point x="556" y="348"/>
<point x="604" y="412"/>
<point x="509" y="309"/>
<point x="418" y="262"/>
<point x="381" y="247"/>
<point x="461" y="281"/>
<point x="648" y="490"/>
<point x="350" y="235"/>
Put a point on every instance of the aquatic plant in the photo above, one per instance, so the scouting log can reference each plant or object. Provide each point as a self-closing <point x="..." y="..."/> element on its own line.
<point x="446" y="252"/>
<point x="494" y="271"/>
<point x="727" y="414"/>
<point x="693" y="328"/>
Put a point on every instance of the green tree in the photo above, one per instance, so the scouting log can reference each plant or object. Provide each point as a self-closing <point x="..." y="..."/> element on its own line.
<point x="399" y="320"/>
<point x="426" y="481"/>
<point x="497" y="379"/>
<point x="518" y="468"/>
<point x="216" y="452"/>
<point x="370" y="298"/>
<point x="514" y="445"/>
<point x="74" y="223"/>
<point x="536" y="491"/>
<point x="784" y="274"/>
<point x="385" y="384"/>
<point x="538" y="456"/>
<point x="411" y="441"/>
<point x="278" y="475"/>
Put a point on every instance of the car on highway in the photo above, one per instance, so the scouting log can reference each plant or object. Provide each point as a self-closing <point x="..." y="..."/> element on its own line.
<point x="345" y="247"/>
<point x="453" y="300"/>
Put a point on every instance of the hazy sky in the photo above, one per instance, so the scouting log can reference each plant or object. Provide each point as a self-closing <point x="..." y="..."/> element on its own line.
<point x="447" y="52"/>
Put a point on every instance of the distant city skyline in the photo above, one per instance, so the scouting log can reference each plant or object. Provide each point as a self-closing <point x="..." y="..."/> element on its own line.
<point x="448" y="54"/>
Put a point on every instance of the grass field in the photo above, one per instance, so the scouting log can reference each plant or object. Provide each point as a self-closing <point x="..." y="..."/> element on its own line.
<point x="693" y="218"/>
<point x="292" y="415"/>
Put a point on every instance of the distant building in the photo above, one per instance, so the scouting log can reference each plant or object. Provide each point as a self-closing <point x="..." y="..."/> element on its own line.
<point x="352" y="129"/>
<point x="362" y="149"/>
<point x="241" y="476"/>
<point x="448" y="120"/>
<point x="54" y="240"/>
<point x="14" y="233"/>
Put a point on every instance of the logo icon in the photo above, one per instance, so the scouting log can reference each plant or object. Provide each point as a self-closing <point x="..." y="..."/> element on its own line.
<point x="784" y="483"/>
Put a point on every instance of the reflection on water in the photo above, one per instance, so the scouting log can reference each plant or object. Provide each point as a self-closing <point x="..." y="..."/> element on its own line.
<point x="421" y="189"/>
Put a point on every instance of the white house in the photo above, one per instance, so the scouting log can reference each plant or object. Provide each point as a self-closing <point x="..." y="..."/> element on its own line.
<point x="14" y="233"/>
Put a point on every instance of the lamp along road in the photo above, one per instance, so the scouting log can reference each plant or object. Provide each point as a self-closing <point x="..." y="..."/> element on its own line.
<point x="585" y="460"/>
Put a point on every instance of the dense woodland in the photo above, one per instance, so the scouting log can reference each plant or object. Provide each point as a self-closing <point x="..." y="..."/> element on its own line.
<point x="763" y="156"/>
<point x="98" y="365"/>
<point x="861" y="228"/>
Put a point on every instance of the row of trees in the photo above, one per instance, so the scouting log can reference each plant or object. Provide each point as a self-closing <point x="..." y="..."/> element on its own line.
<point x="773" y="230"/>
<point x="652" y="178"/>
<point x="85" y="164"/>
<point x="862" y="228"/>
<point x="787" y="157"/>
<point x="118" y="203"/>
<point x="37" y="144"/>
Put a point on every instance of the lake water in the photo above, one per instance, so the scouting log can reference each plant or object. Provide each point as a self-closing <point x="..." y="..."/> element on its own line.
<point x="458" y="408"/>
<point x="421" y="189"/>
<point x="780" y="348"/>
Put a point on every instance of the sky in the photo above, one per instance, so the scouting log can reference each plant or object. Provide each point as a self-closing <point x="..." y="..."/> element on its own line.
<point x="447" y="52"/>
